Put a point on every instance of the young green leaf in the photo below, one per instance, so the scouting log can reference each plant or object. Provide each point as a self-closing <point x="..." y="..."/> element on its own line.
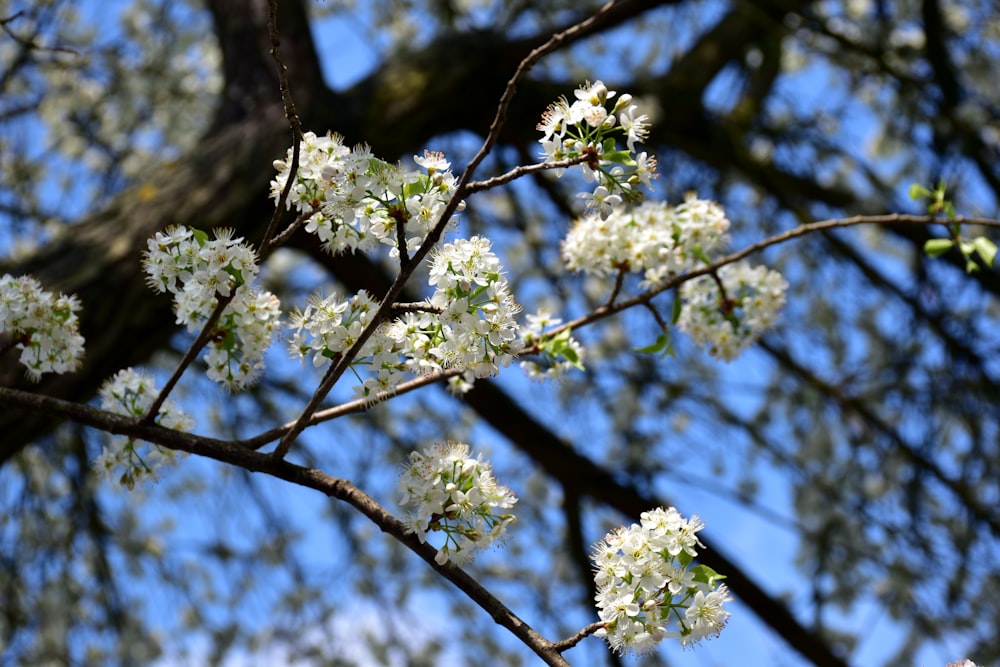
<point x="986" y="248"/>
<point x="663" y="345"/>
<point x="918" y="191"/>
<point x="938" y="247"/>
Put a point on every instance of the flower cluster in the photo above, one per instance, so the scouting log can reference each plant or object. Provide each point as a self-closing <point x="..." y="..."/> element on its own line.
<point x="131" y="393"/>
<point x="356" y="201"/>
<point x="644" y="580"/>
<point x="477" y="308"/>
<point x="557" y="354"/>
<point x="197" y="270"/>
<point x="653" y="238"/>
<point x="727" y="312"/>
<point x="467" y="324"/>
<point x="42" y="324"/>
<point x="448" y="491"/>
<point x="587" y="128"/>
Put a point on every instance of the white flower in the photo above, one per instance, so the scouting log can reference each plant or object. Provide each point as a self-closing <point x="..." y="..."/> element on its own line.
<point x="477" y="326"/>
<point x="655" y="239"/>
<point x="643" y="582"/>
<point x="248" y="325"/>
<point x="601" y="201"/>
<point x="356" y="201"/>
<point x="432" y="161"/>
<point x="197" y="270"/>
<point x="131" y="393"/>
<point x="706" y="616"/>
<point x="194" y="268"/>
<point x="43" y="325"/>
<point x="448" y="491"/>
<point x="726" y="325"/>
<point x="587" y="128"/>
<point x="557" y="355"/>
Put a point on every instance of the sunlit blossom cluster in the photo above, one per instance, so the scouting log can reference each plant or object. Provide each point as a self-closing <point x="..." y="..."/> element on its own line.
<point x="590" y="126"/>
<point x="653" y="238"/>
<point x="477" y="309"/>
<point x="356" y="201"/>
<point x="467" y="324"/>
<point x="131" y="393"/>
<point x="728" y="319"/>
<point x="557" y="353"/>
<point x="645" y="583"/>
<point x="448" y="491"/>
<point x="198" y="270"/>
<point x="43" y="325"/>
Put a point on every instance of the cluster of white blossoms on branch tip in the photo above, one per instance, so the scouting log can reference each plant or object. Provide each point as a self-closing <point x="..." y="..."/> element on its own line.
<point x="447" y="491"/>
<point x="467" y="324"/>
<point x="653" y="238"/>
<point x="198" y="270"/>
<point x="131" y="393"/>
<point x="589" y="128"/>
<point x="645" y="583"/>
<point x="42" y="324"/>
<point x="728" y="319"/>
<point x="356" y="200"/>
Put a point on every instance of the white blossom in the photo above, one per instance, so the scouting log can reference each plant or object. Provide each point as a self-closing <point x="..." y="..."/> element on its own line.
<point x="588" y="128"/>
<point x="447" y="491"/>
<point x="653" y="238"/>
<point x="356" y="201"/>
<point x="644" y="579"/>
<point x="43" y="325"/>
<point x="197" y="271"/>
<point x="728" y="324"/>
<point x="131" y="393"/>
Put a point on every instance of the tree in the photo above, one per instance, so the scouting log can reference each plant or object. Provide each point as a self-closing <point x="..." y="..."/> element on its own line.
<point x="882" y="436"/>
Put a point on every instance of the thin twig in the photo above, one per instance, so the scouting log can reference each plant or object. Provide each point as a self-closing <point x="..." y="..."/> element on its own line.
<point x="570" y="642"/>
<point x="200" y="342"/>
<point x="303" y="218"/>
<point x="29" y="43"/>
<point x="524" y="170"/>
<point x="802" y="230"/>
<point x="266" y="244"/>
<point x="416" y="307"/>
<point x="351" y="407"/>
<point x="619" y="279"/>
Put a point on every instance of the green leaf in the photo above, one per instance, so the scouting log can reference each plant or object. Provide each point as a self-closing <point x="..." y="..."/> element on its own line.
<point x="986" y="248"/>
<point x="706" y="575"/>
<point x="200" y="237"/>
<point x="675" y="313"/>
<point x="700" y="254"/>
<point x="937" y="247"/>
<point x="416" y="187"/>
<point x="663" y="345"/>
<point x="620" y="157"/>
<point x="918" y="191"/>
